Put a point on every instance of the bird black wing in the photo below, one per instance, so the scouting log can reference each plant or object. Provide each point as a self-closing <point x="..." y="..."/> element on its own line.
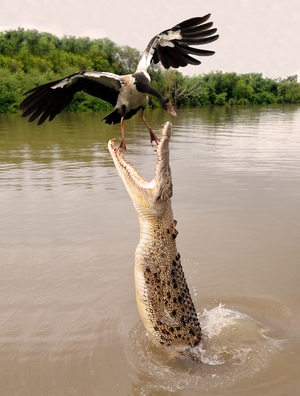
<point x="172" y="47"/>
<point x="49" y="100"/>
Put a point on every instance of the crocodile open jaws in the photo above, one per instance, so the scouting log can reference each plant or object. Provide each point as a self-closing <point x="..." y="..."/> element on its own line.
<point x="163" y="298"/>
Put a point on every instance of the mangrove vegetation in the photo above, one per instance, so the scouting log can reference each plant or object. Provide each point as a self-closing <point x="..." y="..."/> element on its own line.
<point x="29" y="58"/>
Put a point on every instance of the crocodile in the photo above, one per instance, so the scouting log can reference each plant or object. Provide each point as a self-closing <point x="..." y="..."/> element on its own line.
<point x="163" y="298"/>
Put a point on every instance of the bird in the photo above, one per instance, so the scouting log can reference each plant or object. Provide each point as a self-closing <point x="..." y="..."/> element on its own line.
<point x="127" y="93"/>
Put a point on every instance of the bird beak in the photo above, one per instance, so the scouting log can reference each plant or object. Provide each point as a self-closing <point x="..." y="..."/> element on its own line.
<point x="170" y="109"/>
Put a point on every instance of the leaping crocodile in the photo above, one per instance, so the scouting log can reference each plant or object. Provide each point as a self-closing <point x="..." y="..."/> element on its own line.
<point x="162" y="294"/>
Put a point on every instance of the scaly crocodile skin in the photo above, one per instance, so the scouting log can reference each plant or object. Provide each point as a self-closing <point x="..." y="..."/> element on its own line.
<point x="163" y="298"/>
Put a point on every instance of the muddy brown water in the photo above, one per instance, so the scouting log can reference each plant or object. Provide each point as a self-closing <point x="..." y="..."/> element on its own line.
<point x="68" y="319"/>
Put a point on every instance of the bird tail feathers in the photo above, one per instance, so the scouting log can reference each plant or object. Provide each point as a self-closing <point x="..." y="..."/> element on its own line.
<point x="113" y="118"/>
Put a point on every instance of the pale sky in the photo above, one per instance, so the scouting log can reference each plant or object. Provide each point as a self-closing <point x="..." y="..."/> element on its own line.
<point x="255" y="35"/>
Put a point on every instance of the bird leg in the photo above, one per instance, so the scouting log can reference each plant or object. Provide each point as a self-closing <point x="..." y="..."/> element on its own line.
<point x="122" y="144"/>
<point x="153" y="137"/>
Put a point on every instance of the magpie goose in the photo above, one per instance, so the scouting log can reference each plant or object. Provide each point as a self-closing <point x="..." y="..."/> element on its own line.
<point x="128" y="94"/>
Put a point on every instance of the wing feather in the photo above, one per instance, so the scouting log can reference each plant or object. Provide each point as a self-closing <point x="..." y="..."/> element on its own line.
<point x="49" y="100"/>
<point x="171" y="58"/>
<point x="198" y="29"/>
<point x="196" y="40"/>
<point x="192" y="22"/>
<point x="194" y="51"/>
<point x="180" y="58"/>
<point x="172" y="47"/>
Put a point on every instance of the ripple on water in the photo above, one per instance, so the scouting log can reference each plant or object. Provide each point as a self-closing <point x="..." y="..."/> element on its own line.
<point x="235" y="347"/>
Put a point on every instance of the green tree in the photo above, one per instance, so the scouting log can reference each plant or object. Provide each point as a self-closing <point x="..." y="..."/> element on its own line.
<point x="29" y="58"/>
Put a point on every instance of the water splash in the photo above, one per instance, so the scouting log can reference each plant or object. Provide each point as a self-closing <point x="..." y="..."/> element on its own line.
<point x="235" y="347"/>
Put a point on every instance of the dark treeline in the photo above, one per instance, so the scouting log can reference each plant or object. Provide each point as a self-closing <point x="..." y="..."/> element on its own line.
<point x="29" y="58"/>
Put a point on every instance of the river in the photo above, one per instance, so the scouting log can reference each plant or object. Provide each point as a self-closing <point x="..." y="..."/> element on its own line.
<point x="68" y="232"/>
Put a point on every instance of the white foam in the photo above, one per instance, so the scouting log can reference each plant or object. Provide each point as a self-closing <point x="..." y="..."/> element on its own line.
<point x="234" y="347"/>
